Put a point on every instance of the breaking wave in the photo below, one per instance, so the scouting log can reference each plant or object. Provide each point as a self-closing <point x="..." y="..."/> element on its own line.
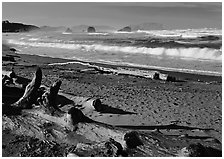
<point x="194" y="53"/>
<point x="33" y="39"/>
<point x="66" y="33"/>
<point x="185" y="33"/>
<point x="97" y="33"/>
<point x="123" y="32"/>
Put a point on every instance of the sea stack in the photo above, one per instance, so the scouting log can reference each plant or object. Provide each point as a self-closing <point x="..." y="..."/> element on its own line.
<point x="68" y="30"/>
<point x="91" y="29"/>
<point x="126" y="29"/>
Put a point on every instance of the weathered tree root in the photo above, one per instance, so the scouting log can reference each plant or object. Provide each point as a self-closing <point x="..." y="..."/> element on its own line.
<point x="30" y="95"/>
<point x="49" y="100"/>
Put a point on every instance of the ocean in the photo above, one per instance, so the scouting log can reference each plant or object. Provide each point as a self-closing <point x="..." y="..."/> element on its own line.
<point x="190" y="50"/>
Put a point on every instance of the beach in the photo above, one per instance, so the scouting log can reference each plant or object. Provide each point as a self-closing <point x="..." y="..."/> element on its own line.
<point x="192" y="101"/>
<point x="130" y="79"/>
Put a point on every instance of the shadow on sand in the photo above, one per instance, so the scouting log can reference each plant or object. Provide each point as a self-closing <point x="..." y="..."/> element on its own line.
<point x="62" y="101"/>
<point x="110" y="110"/>
<point x="170" y="126"/>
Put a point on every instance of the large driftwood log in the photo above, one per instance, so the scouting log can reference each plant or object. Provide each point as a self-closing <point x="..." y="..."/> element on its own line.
<point x="30" y="95"/>
<point x="124" y="71"/>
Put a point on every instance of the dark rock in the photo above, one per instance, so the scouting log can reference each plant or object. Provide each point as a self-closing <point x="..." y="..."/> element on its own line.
<point x="114" y="148"/>
<point x="17" y="27"/>
<point x="143" y="26"/>
<point x="156" y="76"/>
<point x="91" y="30"/>
<point x="126" y="29"/>
<point x="99" y="28"/>
<point x="132" y="139"/>
<point x="68" y="30"/>
<point x="12" y="49"/>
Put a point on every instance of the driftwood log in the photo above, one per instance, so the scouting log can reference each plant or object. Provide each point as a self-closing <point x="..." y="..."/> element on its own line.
<point x="40" y="117"/>
<point x="30" y="95"/>
<point x="124" y="71"/>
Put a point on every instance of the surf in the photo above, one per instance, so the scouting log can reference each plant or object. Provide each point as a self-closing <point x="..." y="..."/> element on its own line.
<point x="194" y="53"/>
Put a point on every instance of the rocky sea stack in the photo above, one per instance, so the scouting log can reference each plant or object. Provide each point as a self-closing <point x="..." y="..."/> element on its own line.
<point x="126" y="29"/>
<point x="91" y="29"/>
<point x="68" y="30"/>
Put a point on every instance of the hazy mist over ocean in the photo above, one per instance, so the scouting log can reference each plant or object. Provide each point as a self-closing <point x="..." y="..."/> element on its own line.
<point x="172" y="36"/>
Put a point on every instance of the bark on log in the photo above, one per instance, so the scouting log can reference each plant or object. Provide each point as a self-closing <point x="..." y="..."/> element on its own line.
<point x="49" y="100"/>
<point x="30" y="95"/>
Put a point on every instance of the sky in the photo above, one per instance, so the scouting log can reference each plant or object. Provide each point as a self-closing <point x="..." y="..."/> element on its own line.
<point x="173" y="15"/>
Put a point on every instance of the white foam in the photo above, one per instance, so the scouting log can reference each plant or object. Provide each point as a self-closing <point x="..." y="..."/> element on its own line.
<point x="33" y="39"/>
<point x="190" y="36"/>
<point x="122" y="32"/>
<point x="142" y="66"/>
<point x="184" y="33"/>
<point x="175" y="69"/>
<point x="169" y="35"/>
<point x="162" y="68"/>
<point x="98" y="33"/>
<point x="72" y="62"/>
<point x="66" y="33"/>
<point x="190" y="53"/>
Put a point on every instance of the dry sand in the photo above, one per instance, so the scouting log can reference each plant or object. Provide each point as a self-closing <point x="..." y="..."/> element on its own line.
<point x="187" y="103"/>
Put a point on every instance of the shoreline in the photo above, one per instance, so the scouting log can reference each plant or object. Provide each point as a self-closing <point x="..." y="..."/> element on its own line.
<point x="178" y="74"/>
<point x="182" y="76"/>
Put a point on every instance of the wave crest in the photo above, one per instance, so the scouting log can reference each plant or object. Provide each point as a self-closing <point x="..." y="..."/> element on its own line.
<point x="185" y="53"/>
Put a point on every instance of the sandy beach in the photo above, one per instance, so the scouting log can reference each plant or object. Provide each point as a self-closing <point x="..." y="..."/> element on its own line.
<point x="193" y="101"/>
<point x="130" y="79"/>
